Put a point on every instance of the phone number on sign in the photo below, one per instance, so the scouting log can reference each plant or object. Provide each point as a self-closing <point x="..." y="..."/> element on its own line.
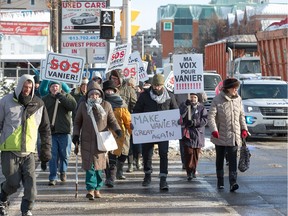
<point x="84" y="37"/>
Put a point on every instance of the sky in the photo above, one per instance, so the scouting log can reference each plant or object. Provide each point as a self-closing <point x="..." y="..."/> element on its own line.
<point x="148" y="9"/>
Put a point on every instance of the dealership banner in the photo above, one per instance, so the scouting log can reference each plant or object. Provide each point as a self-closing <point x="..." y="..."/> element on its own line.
<point x="77" y="44"/>
<point x="188" y="73"/>
<point x="24" y="28"/>
<point x="63" y="68"/>
<point x="81" y="14"/>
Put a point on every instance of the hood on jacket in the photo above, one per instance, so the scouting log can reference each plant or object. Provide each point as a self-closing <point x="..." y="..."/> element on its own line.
<point x="117" y="74"/>
<point x="92" y="85"/>
<point x="21" y="82"/>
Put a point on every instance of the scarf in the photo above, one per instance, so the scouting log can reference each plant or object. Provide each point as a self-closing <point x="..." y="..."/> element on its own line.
<point x="160" y="99"/>
<point x="115" y="100"/>
<point x="96" y="103"/>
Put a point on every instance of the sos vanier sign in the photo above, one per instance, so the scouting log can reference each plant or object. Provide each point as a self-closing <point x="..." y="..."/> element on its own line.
<point x="188" y="73"/>
<point x="118" y="57"/>
<point x="63" y="68"/>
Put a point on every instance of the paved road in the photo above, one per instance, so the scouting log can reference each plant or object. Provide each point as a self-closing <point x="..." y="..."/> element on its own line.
<point x="260" y="193"/>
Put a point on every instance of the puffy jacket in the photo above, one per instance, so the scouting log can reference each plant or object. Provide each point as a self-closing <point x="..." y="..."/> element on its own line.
<point x="19" y="124"/>
<point x="226" y="116"/>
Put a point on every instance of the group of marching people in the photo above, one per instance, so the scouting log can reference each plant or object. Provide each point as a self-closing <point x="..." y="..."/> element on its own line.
<point x="24" y="117"/>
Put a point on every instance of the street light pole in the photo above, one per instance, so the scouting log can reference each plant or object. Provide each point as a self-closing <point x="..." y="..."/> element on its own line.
<point x="126" y="12"/>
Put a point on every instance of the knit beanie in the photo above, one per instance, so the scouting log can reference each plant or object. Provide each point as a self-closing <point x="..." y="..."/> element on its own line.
<point x="231" y="83"/>
<point x="94" y="92"/>
<point x="53" y="82"/>
<point x="158" y="79"/>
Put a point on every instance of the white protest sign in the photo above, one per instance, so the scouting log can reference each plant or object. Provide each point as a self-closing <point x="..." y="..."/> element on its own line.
<point x="118" y="57"/>
<point x="169" y="82"/>
<point x="135" y="58"/>
<point x="152" y="127"/>
<point x="63" y="68"/>
<point x="188" y="73"/>
<point x="130" y="71"/>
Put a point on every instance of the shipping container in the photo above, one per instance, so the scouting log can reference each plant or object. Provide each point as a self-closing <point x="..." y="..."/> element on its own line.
<point x="272" y="46"/>
<point x="220" y="55"/>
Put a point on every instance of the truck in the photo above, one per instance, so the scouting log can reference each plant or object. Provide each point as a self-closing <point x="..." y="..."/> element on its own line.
<point x="231" y="57"/>
<point x="272" y="48"/>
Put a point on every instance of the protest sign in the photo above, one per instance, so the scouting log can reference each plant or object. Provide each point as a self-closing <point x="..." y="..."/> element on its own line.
<point x="156" y="126"/>
<point x="169" y="82"/>
<point x="141" y="70"/>
<point x="118" y="57"/>
<point x="63" y="68"/>
<point x="188" y="73"/>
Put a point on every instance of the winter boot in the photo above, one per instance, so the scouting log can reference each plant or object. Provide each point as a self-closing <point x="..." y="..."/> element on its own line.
<point x="233" y="181"/>
<point x="130" y="164"/>
<point x="220" y="179"/>
<point x="147" y="180"/>
<point x="139" y="162"/>
<point x="163" y="184"/>
<point x="4" y="207"/>
<point x="110" y="178"/>
<point x="119" y="173"/>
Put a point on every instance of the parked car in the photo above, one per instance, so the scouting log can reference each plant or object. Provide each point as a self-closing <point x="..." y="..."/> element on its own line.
<point x="211" y="80"/>
<point x="266" y="106"/>
<point x="84" y="18"/>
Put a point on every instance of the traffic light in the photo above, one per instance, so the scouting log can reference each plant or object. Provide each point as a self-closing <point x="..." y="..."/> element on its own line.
<point x="107" y="24"/>
<point x="134" y="28"/>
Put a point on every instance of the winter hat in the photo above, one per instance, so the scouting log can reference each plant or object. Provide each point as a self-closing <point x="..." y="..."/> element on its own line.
<point x="109" y="84"/>
<point x="193" y="93"/>
<point x="97" y="75"/>
<point x="158" y="79"/>
<point x="53" y="82"/>
<point x="84" y="80"/>
<point x="231" y="83"/>
<point x="94" y="91"/>
<point x="36" y="79"/>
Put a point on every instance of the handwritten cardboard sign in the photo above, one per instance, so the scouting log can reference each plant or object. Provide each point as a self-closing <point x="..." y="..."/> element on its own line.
<point x="188" y="73"/>
<point x="156" y="126"/>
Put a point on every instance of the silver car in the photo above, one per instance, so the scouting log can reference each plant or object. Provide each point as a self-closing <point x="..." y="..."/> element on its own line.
<point x="84" y="18"/>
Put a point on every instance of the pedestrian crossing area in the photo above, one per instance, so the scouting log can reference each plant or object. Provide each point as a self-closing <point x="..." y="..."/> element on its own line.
<point x="129" y="197"/>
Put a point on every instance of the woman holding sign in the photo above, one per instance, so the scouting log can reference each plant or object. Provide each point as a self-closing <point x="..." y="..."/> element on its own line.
<point x="155" y="98"/>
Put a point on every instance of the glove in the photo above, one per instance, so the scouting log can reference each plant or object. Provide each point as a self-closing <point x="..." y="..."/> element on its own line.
<point x="188" y="102"/>
<point x="118" y="133"/>
<point x="131" y="126"/>
<point x="215" y="134"/>
<point x="52" y="128"/>
<point x="76" y="150"/>
<point x="244" y="134"/>
<point x="59" y="96"/>
<point x="43" y="166"/>
<point x="190" y="123"/>
<point x="75" y="139"/>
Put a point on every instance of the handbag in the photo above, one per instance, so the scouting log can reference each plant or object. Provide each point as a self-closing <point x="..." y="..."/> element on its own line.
<point x="105" y="139"/>
<point x="244" y="160"/>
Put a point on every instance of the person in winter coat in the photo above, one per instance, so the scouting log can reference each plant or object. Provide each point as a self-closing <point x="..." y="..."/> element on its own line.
<point x="193" y="133"/>
<point x="226" y="120"/>
<point x="22" y="116"/>
<point x="44" y="88"/>
<point x="156" y="98"/>
<point x="93" y="160"/>
<point x="59" y="106"/>
<point x="128" y="94"/>
<point x="123" y="117"/>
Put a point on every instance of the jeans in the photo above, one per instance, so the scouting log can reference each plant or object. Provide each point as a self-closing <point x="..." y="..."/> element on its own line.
<point x="61" y="149"/>
<point x="147" y="153"/>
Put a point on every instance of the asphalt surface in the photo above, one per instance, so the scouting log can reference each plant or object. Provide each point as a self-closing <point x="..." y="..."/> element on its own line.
<point x="263" y="190"/>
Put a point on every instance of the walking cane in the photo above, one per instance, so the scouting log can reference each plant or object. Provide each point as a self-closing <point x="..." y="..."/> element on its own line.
<point x="76" y="172"/>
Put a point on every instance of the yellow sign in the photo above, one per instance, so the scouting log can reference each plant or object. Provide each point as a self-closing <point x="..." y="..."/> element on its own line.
<point x="134" y="28"/>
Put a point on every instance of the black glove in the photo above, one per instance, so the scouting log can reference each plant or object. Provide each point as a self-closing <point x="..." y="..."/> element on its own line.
<point x="188" y="102"/>
<point x="131" y="126"/>
<point x="52" y="127"/>
<point x="76" y="150"/>
<point x="118" y="133"/>
<point x="190" y="123"/>
<point x="43" y="166"/>
<point x="75" y="139"/>
<point x="59" y="96"/>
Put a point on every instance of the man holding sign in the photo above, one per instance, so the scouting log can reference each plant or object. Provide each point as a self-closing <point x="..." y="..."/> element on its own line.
<point x="156" y="98"/>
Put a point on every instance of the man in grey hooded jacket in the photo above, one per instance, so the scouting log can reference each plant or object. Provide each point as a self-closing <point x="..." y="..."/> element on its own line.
<point x="22" y="115"/>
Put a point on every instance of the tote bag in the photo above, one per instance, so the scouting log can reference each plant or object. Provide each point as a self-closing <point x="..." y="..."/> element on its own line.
<point x="106" y="141"/>
<point x="244" y="160"/>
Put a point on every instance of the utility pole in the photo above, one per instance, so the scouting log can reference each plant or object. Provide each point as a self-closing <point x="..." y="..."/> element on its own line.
<point x="126" y="12"/>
